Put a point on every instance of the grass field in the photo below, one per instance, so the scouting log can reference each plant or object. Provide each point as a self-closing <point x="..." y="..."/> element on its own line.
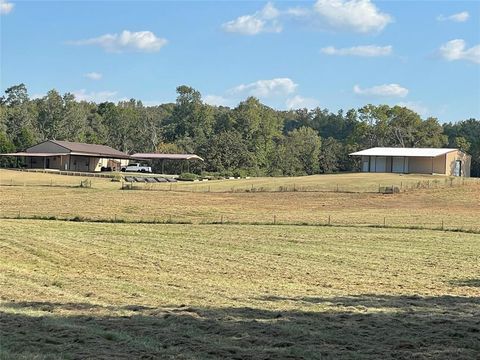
<point x="346" y="182"/>
<point x="457" y="207"/>
<point x="74" y="290"/>
<point x="85" y="290"/>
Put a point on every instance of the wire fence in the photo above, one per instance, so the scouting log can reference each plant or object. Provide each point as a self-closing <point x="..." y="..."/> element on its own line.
<point x="338" y="220"/>
<point x="289" y="186"/>
<point x="252" y="186"/>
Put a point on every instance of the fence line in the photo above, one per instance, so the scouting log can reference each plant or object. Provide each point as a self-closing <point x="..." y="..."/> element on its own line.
<point x="384" y="222"/>
<point x="251" y="188"/>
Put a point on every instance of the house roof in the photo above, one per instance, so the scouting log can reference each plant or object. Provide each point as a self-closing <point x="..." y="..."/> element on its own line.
<point x="39" y="154"/>
<point x="406" y="152"/>
<point x="155" y="156"/>
<point x="90" y="149"/>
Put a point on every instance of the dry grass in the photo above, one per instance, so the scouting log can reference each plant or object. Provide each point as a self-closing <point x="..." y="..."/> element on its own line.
<point x="455" y="207"/>
<point x="346" y="182"/>
<point x="96" y="290"/>
<point x="88" y="290"/>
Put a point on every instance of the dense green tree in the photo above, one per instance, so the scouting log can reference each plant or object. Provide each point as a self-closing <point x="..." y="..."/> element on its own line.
<point x="251" y="137"/>
<point x="50" y="115"/>
<point x="227" y="151"/>
<point x="6" y="146"/>
<point x="305" y="144"/>
<point x="331" y="155"/>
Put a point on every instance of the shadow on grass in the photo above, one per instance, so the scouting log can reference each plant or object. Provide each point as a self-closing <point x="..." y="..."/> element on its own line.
<point x="466" y="282"/>
<point x="357" y="327"/>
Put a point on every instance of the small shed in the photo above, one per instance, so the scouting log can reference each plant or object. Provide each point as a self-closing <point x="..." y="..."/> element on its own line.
<point x="71" y="156"/>
<point x="442" y="161"/>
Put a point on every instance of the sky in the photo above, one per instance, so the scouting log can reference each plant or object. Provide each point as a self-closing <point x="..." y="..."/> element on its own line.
<point x="336" y="54"/>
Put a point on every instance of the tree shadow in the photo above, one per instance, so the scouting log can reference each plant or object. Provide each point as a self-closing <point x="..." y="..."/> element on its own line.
<point x="356" y="327"/>
<point x="466" y="282"/>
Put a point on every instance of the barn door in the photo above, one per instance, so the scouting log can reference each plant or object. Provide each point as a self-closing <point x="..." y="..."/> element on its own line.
<point x="458" y="168"/>
<point x="398" y="165"/>
<point x="366" y="165"/>
<point x="381" y="165"/>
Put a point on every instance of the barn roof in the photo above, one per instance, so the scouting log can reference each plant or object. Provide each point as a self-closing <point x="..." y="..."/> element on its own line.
<point x="406" y="152"/>
<point x="90" y="149"/>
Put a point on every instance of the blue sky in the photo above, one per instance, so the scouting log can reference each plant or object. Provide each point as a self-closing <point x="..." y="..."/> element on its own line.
<point x="333" y="54"/>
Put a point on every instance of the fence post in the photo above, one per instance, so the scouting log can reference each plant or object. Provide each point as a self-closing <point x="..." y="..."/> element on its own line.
<point x="329" y="220"/>
<point x="221" y="219"/>
<point x="274" y="219"/>
<point x="443" y="227"/>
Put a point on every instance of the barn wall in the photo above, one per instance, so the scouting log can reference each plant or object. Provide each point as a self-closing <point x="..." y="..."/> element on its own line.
<point x="452" y="157"/>
<point x="420" y="165"/>
<point x="51" y="162"/>
<point x="439" y="165"/>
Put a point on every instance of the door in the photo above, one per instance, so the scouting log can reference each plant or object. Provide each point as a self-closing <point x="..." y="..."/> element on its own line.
<point x="458" y="168"/>
<point x="381" y="165"/>
<point x="366" y="165"/>
<point x="398" y="165"/>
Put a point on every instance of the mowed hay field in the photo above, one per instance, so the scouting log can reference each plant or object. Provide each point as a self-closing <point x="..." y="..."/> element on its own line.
<point x="84" y="290"/>
<point x="128" y="291"/>
<point x="450" y="207"/>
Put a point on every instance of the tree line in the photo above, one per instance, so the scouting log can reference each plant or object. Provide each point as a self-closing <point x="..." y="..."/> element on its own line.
<point x="250" y="139"/>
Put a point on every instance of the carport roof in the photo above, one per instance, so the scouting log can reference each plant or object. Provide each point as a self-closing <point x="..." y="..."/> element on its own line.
<point x="405" y="152"/>
<point x="155" y="156"/>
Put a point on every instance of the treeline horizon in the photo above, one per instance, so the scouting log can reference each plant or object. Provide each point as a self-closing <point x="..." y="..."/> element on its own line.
<point x="249" y="139"/>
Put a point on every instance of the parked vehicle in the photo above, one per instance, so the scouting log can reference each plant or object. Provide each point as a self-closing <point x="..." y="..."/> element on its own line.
<point x="136" y="167"/>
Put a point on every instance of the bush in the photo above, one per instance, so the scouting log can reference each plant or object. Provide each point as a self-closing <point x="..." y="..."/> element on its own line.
<point x="188" y="177"/>
<point x="242" y="173"/>
<point x="211" y="175"/>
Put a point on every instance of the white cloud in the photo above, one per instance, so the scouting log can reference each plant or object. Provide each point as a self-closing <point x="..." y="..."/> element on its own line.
<point x="264" y="20"/>
<point x="416" y="106"/>
<point x="299" y="102"/>
<point x="362" y="50"/>
<point x="142" y="41"/>
<point x="266" y="88"/>
<point x="387" y="90"/>
<point x="217" y="100"/>
<point x="357" y="15"/>
<point x="6" y="7"/>
<point x="298" y="12"/>
<point x="459" y="17"/>
<point x="155" y="102"/>
<point x="98" y="97"/>
<point x="93" y="75"/>
<point x="457" y="50"/>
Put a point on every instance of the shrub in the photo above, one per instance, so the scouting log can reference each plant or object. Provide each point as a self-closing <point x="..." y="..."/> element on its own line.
<point x="242" y="173"/>
<point x="188" y="177"/>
